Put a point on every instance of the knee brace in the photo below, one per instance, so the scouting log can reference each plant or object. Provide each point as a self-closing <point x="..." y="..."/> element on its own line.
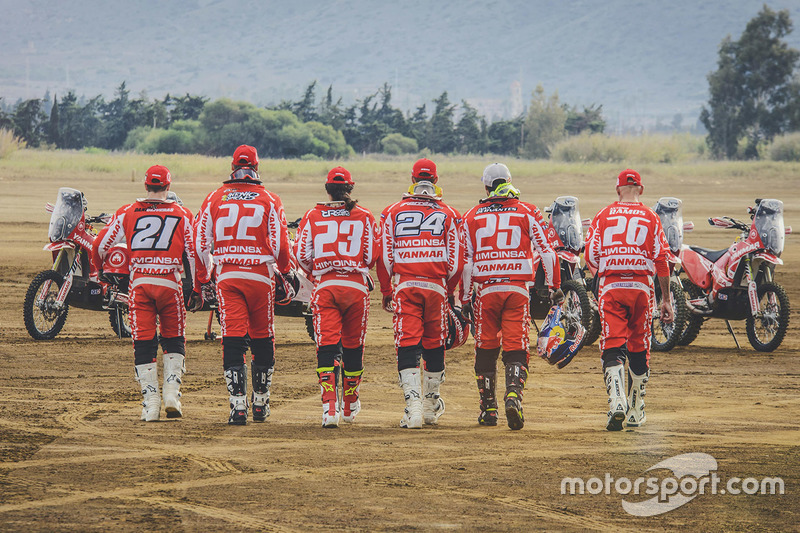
<point x="638" y="362"/>
<point x="263" y="351"/>
<point x="434" y="359"/>
<point x="353" y="358"/>
<point x="233" y="350"/>
<point x="614" y="356"/>
<point x="327" y="355"/>
<point x="174" y="345"/>
<point x="486" y="360"/>
<point x="515" y="357"/>
<point x="408" y="356"/>
<point x="145" y="352"/>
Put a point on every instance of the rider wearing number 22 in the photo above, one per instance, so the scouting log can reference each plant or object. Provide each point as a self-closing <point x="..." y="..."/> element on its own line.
<point x="158" y="233"/>
<point x="336" y="245"/>
<point x="244" y="227"/>
<point x="422" y="256"/>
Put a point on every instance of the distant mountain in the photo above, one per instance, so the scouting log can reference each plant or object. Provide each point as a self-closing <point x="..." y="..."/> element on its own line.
<point x="644" y="60"/>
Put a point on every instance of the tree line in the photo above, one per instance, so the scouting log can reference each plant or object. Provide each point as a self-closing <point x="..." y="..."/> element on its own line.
<point x="307" y="127"/>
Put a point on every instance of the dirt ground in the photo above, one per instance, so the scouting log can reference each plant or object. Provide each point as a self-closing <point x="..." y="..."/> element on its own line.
<point x="74" y="455"/>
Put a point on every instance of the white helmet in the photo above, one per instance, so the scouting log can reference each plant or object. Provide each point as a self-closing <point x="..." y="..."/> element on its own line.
<point x="495" y="171"/>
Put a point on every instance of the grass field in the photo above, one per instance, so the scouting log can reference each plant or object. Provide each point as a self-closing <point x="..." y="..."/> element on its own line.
<point x="74" y="456"/>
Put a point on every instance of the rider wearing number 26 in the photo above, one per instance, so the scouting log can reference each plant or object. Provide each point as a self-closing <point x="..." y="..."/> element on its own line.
<point x="422" y="255"/>
<point x="158" y="233"/>
<point x="336" y="245"/>
<point x="244" y="227"/>
<point x="627" y="246"/>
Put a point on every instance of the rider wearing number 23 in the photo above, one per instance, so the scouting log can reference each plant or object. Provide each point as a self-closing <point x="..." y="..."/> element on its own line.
<point x="158" y="233"/>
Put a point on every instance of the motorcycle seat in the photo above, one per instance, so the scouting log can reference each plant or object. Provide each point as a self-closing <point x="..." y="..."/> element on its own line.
<point x="711" y="255"/>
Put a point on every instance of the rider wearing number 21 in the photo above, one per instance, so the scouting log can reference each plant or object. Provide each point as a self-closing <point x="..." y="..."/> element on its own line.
<point x="336" y="245"/>
<point x="627" y="246"/>
<point x="158" y="233"/>
<point x="421" y="259"/>
<point x="244" y="227"/>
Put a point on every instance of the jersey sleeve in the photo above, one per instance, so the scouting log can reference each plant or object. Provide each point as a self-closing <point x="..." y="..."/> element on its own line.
<point x="196" y="269"/>
<point x="455" y="250"/>
<point x="593" y="240"/>
<point x="112" y="234"/>
<point x="279" y="236"/>
<point x="204" y="239"/>
<point x="469" y="253"/>
<point x="370" y="240"/>
<point x="544" y="246"/>
<point x="304" y="245"/>
<point x="385" y="266"/>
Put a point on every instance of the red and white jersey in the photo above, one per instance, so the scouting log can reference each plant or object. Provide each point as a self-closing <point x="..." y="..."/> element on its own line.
<point x="157" y="233"/>
<point x="501" y="235"/>
<point x="242" y="224"/>
<point x="626" y="238"/>
<point x="422" y="238"/>
<point x="331" y="238"/>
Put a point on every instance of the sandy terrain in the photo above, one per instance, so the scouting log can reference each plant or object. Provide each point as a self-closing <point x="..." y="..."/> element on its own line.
<point x="74" y="456"/>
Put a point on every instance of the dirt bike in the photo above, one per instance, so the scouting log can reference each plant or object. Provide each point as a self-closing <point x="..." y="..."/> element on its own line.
<point x="666" y="336"/>
<point x="71" y="280"/>
<point x="737" y="283"/>
<point x="578" y="307"/>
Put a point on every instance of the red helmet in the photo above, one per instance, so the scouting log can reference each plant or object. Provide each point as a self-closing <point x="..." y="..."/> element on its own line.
<point x="457" y="328"/>
<point x="424" y="169"/>
<point x="245" y="156"/>
<point x="157" y="176"/>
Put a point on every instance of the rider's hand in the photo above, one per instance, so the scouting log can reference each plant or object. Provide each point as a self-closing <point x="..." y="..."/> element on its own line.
<point x="556" y="297"/>
<point x="667" y="316"/>
<point x="195" y="302"/>
<point x="387" y="303"/>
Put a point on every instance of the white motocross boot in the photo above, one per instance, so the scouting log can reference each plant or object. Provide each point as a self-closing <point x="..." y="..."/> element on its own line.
<point x="636" y="414"/>
<point x="617" y="402"/>
<point x="432" y="403"/>
<point x="174" y="369"/>
<point x="412" y="392"/>
<point x="147" y="376"/>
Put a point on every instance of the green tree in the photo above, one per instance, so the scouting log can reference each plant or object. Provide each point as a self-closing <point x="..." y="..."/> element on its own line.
<point x="30" y="122"/>
<point x="471" y="136"/>
<point x="544" y="124"/>
<point x="751" y="90"/>
<point x="53" y="124"/>
<point x="397" y="144"/>
<point x="505" y="136"/>
<point x="441" y="131"/>
<point x="590" y="119"/>
<point x="78" y="124"/>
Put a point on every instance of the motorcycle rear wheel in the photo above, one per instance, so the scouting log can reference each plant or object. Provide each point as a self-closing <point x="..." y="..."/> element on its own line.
<point x="767" y="331"/>
<point x="665" y="336"/>
<point x="593" y="331"/>
<point x="45" y="321"/>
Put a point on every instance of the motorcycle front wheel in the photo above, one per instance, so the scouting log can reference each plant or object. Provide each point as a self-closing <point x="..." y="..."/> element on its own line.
<point x="665" y="336"/>
<point x="43" y="319"/>
<point x="693" y="322"/>
<point x="120" y="322"/>
<point x="766" y="331"/>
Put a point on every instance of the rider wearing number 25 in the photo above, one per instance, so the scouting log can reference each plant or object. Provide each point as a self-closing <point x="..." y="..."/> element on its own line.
<point x="336" y="245"/>
<point x="627" y="246"/>
<point x="158" y="233"/>
<point x="244" y="227"/>
<point x="422" y="255"/>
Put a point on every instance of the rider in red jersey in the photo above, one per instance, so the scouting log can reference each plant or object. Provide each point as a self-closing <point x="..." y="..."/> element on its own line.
<point x="627" y="246"/>
<point x="501" y="233"/>
<point x="336" y="244"/>
<point x="244" y="227"/>
<point x="158" y="233"/>
<point x="421" y="259"/>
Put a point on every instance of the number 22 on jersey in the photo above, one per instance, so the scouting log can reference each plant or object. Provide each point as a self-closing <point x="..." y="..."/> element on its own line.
<point x="236" y="223"/>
